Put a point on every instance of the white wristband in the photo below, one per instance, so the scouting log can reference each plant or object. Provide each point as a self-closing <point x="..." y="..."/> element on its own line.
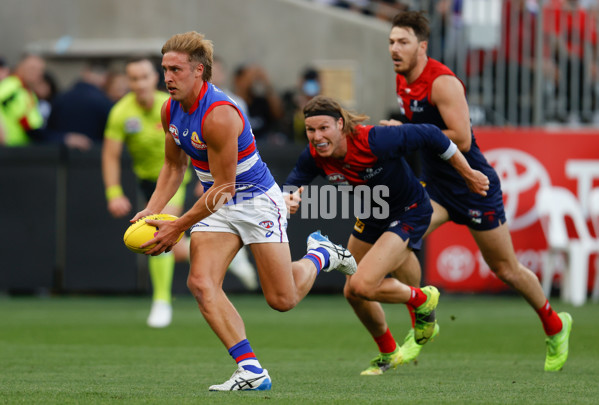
<point x="451" y="150"/>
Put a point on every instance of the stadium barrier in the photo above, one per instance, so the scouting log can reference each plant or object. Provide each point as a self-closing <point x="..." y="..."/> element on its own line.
<point x="526" y="160"/>
<point x="59" y="237"/>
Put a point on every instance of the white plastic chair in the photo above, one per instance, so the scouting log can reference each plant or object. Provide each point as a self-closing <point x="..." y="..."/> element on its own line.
<point x="554" y="205"/>
<point x="594" y="214"/>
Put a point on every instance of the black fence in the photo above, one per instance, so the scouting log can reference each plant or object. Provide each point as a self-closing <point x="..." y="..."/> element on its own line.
<point x="58" y="237"/>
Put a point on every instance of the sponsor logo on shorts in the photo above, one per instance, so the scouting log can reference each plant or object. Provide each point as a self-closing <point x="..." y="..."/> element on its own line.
<point x="267" y="225"/>
<point x="359" y="226"/>
<point x="490" y="216"/>
<point x="405" y="228"/>
<point x="198" y="225"/>
<point x="475" y="216"/>
<point x="474" y="213"/>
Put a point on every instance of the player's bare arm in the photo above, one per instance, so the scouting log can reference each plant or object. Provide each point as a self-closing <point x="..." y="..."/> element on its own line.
<point x="220" y="131"/>
<point x="171" y="174"/>
<point x="169" y="180"/>
<point x="447" y="94"/>
<point x="477" y="181"/>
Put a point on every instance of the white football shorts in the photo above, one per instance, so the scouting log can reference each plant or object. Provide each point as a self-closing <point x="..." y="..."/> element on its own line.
<point x="261" y="219"/>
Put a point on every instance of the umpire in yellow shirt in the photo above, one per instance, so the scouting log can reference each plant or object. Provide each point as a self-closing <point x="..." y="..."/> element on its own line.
<point x="135" y="121"/>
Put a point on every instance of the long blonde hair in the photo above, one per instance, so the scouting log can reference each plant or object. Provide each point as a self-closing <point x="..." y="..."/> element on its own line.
<point x="329" y="106"/>
<point x="193" y="44"/>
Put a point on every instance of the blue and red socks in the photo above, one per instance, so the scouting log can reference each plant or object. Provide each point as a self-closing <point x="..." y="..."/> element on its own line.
<point x="320" y="258"/>
<point x="243" y="354"/>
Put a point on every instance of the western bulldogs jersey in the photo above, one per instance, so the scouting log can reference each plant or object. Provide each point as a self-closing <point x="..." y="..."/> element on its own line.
<point x="375" y="157"/>
<point x="415" y="105"/>
<point x="253" y="176"/>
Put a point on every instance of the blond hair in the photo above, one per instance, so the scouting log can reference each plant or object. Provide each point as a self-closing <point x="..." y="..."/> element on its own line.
<point x="329" y="106"/>
<point x="193" y="44"/>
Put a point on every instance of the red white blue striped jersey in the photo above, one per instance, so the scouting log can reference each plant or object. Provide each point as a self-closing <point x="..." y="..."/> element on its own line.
<point x="253" y="176"/>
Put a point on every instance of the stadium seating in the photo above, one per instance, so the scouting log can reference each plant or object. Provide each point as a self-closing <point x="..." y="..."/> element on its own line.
<point x="554" y="206"/>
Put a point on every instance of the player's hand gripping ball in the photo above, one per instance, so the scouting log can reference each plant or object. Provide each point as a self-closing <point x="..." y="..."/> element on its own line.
<point x="140" y="232"/>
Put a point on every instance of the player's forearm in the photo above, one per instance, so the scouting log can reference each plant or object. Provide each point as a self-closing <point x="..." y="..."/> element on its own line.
<point x="460" y="164"/>
<point x="169" y="181"/>
<point x="212" y="199"/>
<point x="463" y="142"/>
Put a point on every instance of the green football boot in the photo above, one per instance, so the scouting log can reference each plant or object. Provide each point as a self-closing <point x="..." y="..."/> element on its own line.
<point x="384" y="362"/>
<point x="425" y="316"/>
<point x="410" y="349"/>
<point x="557" y="345"/>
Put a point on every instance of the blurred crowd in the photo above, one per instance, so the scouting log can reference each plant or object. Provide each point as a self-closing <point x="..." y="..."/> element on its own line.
<point x="500" y="74"/>
<point x="34" y="110"/>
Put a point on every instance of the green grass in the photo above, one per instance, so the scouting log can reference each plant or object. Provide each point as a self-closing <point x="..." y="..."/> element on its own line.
<point x="97" y="350"/>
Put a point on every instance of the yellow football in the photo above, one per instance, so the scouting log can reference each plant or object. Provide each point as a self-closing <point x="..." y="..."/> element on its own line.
<point x="140" y="232"/>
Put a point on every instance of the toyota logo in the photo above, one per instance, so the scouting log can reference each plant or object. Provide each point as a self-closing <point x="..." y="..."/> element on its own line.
<point x="455" y="263"/>
<point x="522" y="175"/>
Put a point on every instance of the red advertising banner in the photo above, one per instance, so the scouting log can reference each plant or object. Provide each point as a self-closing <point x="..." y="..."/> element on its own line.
<point x="525" y="160"/>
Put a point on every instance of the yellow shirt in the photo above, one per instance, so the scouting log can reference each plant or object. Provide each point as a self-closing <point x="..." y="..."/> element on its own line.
<point x="141" y="130"/>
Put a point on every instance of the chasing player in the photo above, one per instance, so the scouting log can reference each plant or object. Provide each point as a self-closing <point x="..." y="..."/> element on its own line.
<point x="429" y="92"/>
<point x="346" y="152"/>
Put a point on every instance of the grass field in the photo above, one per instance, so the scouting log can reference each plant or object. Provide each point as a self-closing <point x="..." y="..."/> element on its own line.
<point x="97" y="350"/>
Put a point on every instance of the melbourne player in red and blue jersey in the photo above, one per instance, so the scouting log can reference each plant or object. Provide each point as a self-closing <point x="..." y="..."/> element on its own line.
<point x="346" y="152"/>
<point x="429" y="92"/>
<point x="241" y="205"/>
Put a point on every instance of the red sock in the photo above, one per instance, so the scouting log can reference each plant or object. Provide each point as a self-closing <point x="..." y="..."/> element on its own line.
<point x="412" y="314"/>
<point x="552" y="323"/>
<point x="417" y="297"/>
<point x="385" y="342"/>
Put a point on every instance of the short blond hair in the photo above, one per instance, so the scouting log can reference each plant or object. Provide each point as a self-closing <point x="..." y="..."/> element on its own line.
<point x="193" y="44"/>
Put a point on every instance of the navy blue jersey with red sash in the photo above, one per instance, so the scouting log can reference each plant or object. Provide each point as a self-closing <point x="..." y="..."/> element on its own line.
<point x="416" y="107"/>
<point x="252" y="175"/>
<point x="375" y="157"/>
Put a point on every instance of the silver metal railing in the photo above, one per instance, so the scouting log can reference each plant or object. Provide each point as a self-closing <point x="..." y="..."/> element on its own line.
<point x="523" y="62"/>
